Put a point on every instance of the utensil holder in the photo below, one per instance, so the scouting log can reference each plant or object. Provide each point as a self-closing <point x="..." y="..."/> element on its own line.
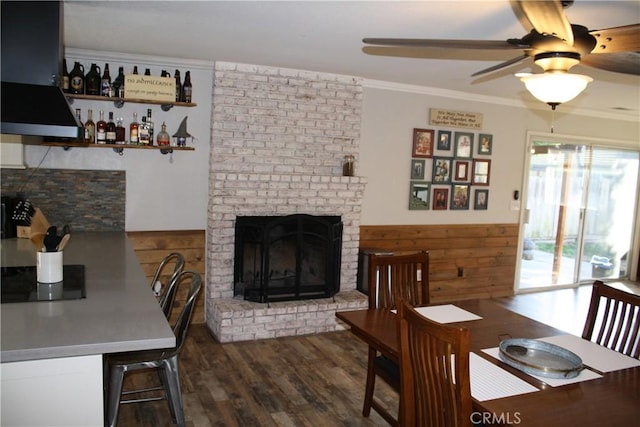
<point x="49" y="267"/>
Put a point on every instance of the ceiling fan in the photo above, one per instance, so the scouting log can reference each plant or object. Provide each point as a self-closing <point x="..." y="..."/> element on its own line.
<point x="555" y="45"/>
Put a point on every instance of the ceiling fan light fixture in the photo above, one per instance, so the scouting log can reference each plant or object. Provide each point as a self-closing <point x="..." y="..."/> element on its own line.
<point x="554" y="87"/>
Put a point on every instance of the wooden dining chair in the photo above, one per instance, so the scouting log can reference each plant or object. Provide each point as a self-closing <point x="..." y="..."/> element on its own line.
<point x="613" y="319"/>
<point x="434" y="372"/>
<point x="391" y="278"/>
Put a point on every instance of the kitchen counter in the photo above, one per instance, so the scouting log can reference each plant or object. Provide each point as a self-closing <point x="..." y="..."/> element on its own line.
<point x="51" y="351"/>
<point x="118" y="314"/>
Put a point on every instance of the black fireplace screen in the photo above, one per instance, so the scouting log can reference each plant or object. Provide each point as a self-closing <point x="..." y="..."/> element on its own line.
<point x="281" y="258"/>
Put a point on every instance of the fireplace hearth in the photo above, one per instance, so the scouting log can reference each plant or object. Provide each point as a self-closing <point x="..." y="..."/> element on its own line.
<point x="285" y="258"/>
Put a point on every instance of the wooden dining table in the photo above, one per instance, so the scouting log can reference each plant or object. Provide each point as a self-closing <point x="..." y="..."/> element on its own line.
<point x="611" y="400"/>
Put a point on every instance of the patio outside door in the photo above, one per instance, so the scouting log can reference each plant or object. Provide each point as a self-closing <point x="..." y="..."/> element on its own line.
<point x="580" y="214"/>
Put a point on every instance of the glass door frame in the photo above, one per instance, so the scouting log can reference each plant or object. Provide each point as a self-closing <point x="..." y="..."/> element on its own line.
<point x="633" y="259"/>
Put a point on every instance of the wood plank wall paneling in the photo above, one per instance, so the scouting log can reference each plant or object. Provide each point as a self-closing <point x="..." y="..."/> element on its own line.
<point x="487" y="253"/>
<point x="152" y="246"/>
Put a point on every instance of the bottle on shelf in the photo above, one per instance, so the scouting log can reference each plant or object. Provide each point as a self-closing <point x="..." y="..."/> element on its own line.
<point x="93" y="81"/>
<point x="90" y="129"/>
<point x="65" y="77"/>
<point x="76" y="79"/>
<point x="187" y="88"/>
<point x="134" y="128"/>
<point x="79" y="120"/>
<point x="111" y="129"/>
<point x="163" y="136"/>
<point x="143" y="132"/>
<point x="135" y="69"/>
<point x="150" y="126"/>
<point x="101" y="130"/>
<point x="118" y="84"/>
<point x="105" y="88"/>
<point x="178" y="86"/>
<point x="120" y="131"/>
<point x="147" y="72"/>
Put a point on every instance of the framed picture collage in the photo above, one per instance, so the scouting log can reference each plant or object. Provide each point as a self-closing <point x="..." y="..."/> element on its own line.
<point x="450" y="170"/>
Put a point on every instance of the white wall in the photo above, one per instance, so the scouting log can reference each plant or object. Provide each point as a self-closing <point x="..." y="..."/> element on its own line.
<point x="164" y="192"/>
<point x="170" y="196"/>
<point x="391" y="112"/>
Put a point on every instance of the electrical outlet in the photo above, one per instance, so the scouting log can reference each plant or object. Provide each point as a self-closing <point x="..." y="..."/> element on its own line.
<point x="460" y="271"/>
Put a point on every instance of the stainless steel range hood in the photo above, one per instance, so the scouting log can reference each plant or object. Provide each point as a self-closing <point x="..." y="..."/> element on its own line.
<point x="32" y="55"/>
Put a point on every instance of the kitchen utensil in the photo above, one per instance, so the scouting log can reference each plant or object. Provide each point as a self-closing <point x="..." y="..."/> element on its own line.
<point x="63" y="242"/>
<point x="540" y="358"/>
<point x="38" y="241"/>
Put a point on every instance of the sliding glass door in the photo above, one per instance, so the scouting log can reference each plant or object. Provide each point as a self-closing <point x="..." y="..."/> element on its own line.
<point x="580" y="213"/>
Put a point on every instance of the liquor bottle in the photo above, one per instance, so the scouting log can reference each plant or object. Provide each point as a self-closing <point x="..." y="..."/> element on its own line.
<point x="178" y="86"/>
<point x="163" y="136"/>
<point x="147" y="72"/>
<point x="101" y="130"/>
<point x="120" y="131"/>
<point x="111" y="129"/>
<point x="118" y="84"/>
<point x="79" y="120"/>
<point x="65" y="78"/>
<point x="150" y="126"/>
<point x="93" y="81"/>
<point x="90" y="129"/>
<point x="143" y="132"/>
<point x="134" y="127"/>
<point x="106" y="82"/>
<point x="135" y="69"/>
<point x="187" y="89"/>
<point x="76" y="79"/>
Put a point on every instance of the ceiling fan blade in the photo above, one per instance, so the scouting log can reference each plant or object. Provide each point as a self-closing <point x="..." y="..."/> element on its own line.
<point x="547" y="17"/>
<point x="449" y="44"/>
<point x="617" y="39"/>
<point x="501" y="65"/>
<point x="619" y="62"/>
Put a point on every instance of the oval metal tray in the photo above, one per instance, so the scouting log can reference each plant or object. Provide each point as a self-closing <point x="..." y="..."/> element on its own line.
<point x="540" y="358"/>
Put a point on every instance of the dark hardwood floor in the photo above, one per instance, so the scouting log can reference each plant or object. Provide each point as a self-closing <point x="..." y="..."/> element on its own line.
<point x="313" y="380"/>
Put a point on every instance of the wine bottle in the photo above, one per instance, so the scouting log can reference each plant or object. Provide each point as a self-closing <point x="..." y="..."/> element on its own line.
<point x="143" y="132"/>
<point x="147" y="72"/>
<point x="150" y="126"/>
<point x="111" y="129"/>
<point x="65" y="78"/>
<point x="90" y="129"/>
<point x="134" y="128"/>
<point x="118" y="84"/>
<point x="79" y="120"/>
<point x="187" y="88"/>
<point x="163" y="135"/>
<point x="101" y="130"/>
<point x="106" y="82"/>
<point x="135" y="69"/>
<point x="120" y="131"/>
<point x="178" y="86"/>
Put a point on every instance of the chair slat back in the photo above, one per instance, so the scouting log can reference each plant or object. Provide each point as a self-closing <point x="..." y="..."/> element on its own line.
<point x="398" y="276"/>
<point x="169" y="288"/>
<point x="613" y="320"/>
<point x="181" y="324"/>
<point x="434" y="372"/>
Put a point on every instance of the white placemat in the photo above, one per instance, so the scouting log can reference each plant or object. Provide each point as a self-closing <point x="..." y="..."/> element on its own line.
<point x="489" y="381"/>
<point x="584" y="375"/>
<point x="593" y="355"/>
<point x="447" y="313"/>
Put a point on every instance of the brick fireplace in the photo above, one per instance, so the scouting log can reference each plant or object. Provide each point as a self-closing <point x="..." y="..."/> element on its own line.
<point x="278" y="140"/>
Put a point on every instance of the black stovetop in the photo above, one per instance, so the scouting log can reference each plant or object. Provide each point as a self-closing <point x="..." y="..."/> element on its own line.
<point x="19" y="284"/>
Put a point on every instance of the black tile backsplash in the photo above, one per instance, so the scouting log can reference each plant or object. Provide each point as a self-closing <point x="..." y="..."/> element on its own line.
<point x="87" y="200"/>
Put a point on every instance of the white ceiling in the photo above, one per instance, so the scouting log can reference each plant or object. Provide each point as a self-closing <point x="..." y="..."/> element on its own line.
<point x="327" y="36"/>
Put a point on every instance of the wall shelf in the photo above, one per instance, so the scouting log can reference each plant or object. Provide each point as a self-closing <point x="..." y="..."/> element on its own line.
<point x="119" y="102"/>
<point x="118" y="148"/>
